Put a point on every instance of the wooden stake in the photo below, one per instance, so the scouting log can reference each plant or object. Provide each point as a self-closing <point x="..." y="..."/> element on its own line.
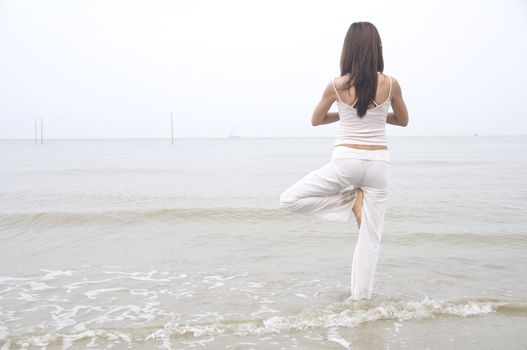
<point x="172" y="127"/>
<point x="41" y="130"/>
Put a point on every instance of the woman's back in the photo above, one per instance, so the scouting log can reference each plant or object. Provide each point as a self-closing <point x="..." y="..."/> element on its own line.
<point x="369" y="129"/>
<point x="349" y="97"/>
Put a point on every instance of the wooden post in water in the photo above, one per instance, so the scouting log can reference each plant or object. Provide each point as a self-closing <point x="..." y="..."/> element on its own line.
<point x="41" y="130"/>
<point x="36" y="141"/>
<point x="172" y="127"/>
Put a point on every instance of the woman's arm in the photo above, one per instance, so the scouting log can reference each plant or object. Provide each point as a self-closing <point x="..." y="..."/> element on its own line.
<point x="399" y="116"/>
<point x="320" y="114"/>
<point x="330" y="117"/>
<point x="392" y="119"/>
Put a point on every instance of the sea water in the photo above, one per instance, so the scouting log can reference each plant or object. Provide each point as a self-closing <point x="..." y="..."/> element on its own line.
<point x="146" y="244"/>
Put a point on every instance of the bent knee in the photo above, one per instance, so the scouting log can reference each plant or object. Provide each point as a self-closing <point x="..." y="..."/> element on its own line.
<point x="287" y="201"/>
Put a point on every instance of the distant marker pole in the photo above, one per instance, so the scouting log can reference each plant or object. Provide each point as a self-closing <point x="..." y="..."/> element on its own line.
<point x="41" y="130"/>
<point x="36" y="137"/>
<point x="172" y="127"/>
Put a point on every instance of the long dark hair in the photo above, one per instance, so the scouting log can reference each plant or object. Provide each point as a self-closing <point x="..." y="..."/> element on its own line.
<point x="361" y="59"/>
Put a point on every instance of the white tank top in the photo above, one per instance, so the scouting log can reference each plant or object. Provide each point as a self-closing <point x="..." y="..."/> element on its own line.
<point x="368" y="130"/>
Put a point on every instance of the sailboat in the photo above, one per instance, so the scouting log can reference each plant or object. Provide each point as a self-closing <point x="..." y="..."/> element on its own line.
<point x="234" y="134"/>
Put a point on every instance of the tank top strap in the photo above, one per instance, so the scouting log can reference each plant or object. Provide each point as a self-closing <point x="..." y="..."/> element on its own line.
<point x="335" y="88"/>
<point x="390" y="92"/>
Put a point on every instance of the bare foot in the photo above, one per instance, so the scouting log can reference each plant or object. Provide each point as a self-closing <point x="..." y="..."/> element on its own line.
<point x="357" y="208"/>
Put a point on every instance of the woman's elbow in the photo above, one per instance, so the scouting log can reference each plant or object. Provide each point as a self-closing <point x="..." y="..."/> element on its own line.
<point x="403" y="122"/>
<point x="315" y="121"/>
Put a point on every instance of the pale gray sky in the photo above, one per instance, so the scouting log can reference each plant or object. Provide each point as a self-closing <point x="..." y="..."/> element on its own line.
<point x="97" y="69"/>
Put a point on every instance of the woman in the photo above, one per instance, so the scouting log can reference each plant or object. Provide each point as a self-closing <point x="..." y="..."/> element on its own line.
<point x="357" y="178"/>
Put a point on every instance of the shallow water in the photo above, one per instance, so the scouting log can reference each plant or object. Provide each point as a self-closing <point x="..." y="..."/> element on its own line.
<point x="144" y="244"/>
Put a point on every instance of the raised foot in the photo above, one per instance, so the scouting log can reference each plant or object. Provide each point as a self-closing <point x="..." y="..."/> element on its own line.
<point x="357" y="208"/>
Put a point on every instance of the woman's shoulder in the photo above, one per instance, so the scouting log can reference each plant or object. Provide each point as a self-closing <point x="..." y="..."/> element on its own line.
<point x="392" y="78"/>
<point x="395" y="86"/>
<point x="344" y="79"/>
<point x="341" y="81"/>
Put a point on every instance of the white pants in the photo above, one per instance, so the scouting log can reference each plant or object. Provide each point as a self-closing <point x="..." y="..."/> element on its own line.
<point x="330" y="192"/>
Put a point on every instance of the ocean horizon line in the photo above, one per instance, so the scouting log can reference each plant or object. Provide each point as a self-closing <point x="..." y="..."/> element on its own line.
<point x="254" y="137"/>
